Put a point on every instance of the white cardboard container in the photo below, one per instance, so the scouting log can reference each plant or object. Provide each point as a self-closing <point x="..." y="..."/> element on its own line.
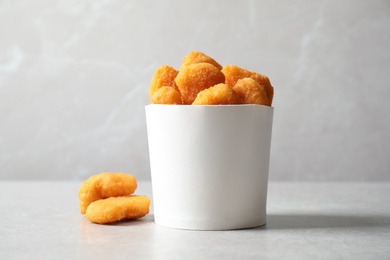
<point x="209" y="165"/>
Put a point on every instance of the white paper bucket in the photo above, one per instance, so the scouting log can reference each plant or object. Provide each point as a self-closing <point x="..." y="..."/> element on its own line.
<point x="209" y="165"/>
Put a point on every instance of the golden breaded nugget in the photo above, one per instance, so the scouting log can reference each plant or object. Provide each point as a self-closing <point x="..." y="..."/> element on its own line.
<point x="251" y="92"/>
<point x="234" y="73"/>
<point x="196" y="77"/>
<point x="166" y="95"/>
<point x="164" y="76"/>
<point x="118" y="208"/>
<point x="198" y="57"/>
<point x="105" y="185"/>
<point x="220" y="94"/>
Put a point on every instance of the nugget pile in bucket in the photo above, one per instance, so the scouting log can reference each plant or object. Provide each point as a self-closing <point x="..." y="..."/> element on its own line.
<point x="203" y="81"/>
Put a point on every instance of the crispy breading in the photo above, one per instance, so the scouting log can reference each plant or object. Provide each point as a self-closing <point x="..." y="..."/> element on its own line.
<point x="233" y="73"/>
<point x="251" y="92"/>
<point x="166" y="95"/>
<point x="114" y="209"/>
<point x="220" y="94"/>
<point x="198" y="57"/>
<point x="163" y="76"/>
<point x="105" y="185"/>
<point x="196" y="77"/>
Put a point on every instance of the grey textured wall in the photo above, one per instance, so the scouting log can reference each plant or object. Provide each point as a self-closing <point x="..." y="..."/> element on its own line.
<point x="74" y="77"/>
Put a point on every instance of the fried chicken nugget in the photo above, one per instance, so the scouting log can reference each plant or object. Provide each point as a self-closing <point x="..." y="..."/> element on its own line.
<point x="198" y="57"/>
<point x="105" y="185"/>
<point x="163" y="76"/>
<point x="166" y="95"/>
<point x="196" y="77"/>
<point x="118" y="208"/>
<point x="220" y="94"/>
<point x="234" y="73"/>
<point x="251" y="92"/>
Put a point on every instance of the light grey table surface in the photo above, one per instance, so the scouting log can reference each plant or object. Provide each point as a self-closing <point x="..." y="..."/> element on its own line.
<point x="41" y="220"/>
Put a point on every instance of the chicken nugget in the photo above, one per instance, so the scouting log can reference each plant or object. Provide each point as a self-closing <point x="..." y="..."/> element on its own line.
<point x="166" y="95"/>
<point x="196" y="77"/>
<point x="251" y="92"/>
<point x="118" y="208"/>
<point x="220" y="94"/>
<point x="105" y="185"/>
<point x="198" y="57"/>
<point x="164" y="76"/>
<point x="234" y="73"/>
